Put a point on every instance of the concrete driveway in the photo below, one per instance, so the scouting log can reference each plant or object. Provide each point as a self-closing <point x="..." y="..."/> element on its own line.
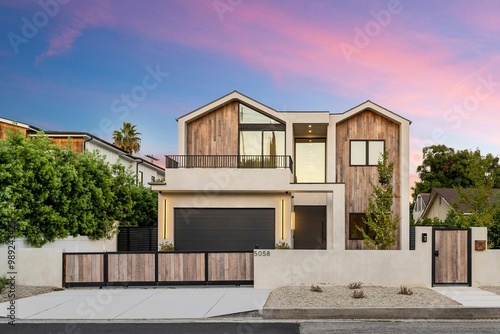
<point x="138" y="303"/>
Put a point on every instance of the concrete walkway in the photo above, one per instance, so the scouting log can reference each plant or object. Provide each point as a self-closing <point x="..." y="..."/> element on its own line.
<point x="470" y="296"/>
<point x="139" y="303"/>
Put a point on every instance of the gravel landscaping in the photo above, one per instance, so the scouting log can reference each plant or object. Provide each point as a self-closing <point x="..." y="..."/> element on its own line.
<point x="23" y="291"/>
<point x="341" y="297"/>
<point x="494" y="289"/>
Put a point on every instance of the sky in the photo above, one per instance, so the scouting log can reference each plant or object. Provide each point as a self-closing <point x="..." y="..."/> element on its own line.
<point x="91" y="65"/>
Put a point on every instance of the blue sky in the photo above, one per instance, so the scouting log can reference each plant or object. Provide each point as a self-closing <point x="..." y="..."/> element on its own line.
<point x="70" y="65"/>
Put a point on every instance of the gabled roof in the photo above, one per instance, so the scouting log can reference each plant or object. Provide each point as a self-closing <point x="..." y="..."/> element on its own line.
<point x="89" y="136"/>
<point x="376" y="109"/>
<point x="233" y="96"/>
<point x="451" y="196"/>
<point x="425" y="197"/>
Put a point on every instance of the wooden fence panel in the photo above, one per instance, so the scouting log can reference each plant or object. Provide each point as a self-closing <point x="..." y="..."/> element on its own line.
<point x="84" y="268"/>
<point x="133" y="267"/>
<point x="181" y="267"/>
<point x="230" y="266"/>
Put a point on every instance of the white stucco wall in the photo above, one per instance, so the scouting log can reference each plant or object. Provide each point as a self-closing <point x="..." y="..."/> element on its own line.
<point x="35" y="266"/>
<point x="485" y="264"/>
<point x="385" y="268"/>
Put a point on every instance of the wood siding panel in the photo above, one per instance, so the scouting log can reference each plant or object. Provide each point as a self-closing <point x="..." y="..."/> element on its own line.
<point x="4" y="127"/>
<point x="131" y="267"/>
<point x="84" y="268"/>
<point x="215" y="133"/>
<point x="76" y="143"/>
<point x="366" y="125"/>
<point x="181" y="267"/>
<point x="230" y="266"/>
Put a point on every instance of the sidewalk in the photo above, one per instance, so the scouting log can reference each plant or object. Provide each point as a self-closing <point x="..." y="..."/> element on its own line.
<point x="470" y="296"/>
<point x="139" y="303"/>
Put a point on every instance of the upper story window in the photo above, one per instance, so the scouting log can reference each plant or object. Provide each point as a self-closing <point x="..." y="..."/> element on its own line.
<point x="366" y="152"/>
<point x="250" y="116"/>
<point x="259" y="134"/>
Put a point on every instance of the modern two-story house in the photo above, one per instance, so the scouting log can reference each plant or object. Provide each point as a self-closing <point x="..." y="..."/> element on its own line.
<point x="247" y="176"/>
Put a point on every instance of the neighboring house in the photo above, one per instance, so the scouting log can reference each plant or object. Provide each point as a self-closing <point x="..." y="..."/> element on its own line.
<point x="441" y="201"/>
<point x="248" y="175"/>
<point x="144" y="170"/>
<point x="420" y="205"/>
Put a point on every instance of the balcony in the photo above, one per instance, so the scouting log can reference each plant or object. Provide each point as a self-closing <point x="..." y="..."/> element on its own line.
<point x="229" y="161"/>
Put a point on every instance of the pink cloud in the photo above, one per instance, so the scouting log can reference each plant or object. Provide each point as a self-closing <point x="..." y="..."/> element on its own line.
<point x="79" y="17"/>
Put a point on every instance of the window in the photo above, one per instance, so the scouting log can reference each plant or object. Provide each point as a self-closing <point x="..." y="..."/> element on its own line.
<point x="260" y="136"/>
<point x="153" y="179"/>
<point x="366" y="152"/>
<point x="140" y="178"/>
<point x="356" y="222"/>
<point x="310" y="162"/>
<point x="250" y="116"/>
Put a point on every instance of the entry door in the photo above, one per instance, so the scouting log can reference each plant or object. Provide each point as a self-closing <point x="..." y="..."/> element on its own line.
<point x="310" y="227"/>
<point x="451" y="256"/>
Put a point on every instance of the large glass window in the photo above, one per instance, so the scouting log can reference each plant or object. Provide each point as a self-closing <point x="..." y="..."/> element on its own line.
<point x="262" y="138"/>
<point x="250" y="116"/>
<point x="310" y="159"/>
<point x="366" y="152"/>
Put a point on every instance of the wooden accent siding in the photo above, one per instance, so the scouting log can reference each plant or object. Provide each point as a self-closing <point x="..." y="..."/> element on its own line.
<point x="76" y="143"/>
<point x="131" y="267"/>
<point x="230" y="266"/>
<point x="451" y="265"/>
<point x="4" y="127"/>
<point x="366" y="125"/>
<point x="181" y="267"/>
<point x="84" y="268"/>
<point x="215" y="133"/>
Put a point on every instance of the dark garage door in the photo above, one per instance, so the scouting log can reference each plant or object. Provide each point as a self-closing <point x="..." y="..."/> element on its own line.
<point x="223" y="229"/>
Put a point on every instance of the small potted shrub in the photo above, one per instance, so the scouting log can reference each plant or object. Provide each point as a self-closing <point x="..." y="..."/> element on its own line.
<point x="166" y="246"/>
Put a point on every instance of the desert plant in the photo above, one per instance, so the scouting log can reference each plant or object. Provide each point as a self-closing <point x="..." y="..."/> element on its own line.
<point x="282" y="245"/>
<point x="355" y="285"/>
<point x="358" y="294"/>
<point x="166" y="247"/>
<point x="316" y="288"/>
<point x="405" y="291"/>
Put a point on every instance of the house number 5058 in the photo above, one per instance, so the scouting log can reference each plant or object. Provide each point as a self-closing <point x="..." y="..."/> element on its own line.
<point x="261" y="253"/>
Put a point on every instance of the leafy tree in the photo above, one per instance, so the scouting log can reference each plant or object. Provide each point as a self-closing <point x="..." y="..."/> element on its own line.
<point x="127" y="138"/>
<point x="443" y="167"/>
<point x="382" y="224"/>
<point x="51" y="192"/>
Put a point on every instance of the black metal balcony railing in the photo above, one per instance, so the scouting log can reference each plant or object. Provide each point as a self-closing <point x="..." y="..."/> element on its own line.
<point x="229" y="161"/>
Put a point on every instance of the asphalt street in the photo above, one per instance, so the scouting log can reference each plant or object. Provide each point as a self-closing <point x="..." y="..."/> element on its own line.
<point x="256" y="327"/>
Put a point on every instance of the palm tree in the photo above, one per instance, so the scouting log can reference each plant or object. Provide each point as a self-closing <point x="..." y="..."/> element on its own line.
<point x="127" y="138"/>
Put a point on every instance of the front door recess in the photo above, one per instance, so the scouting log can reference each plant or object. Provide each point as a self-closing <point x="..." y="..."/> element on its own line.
<point x="310" y="227"/>
<point x="451" y="258"/>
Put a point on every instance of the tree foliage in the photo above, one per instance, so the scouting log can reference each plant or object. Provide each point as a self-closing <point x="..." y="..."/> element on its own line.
<point x="127" y="138"/>
<point x="382" y="223"/>
<point x="51" y="193"/>
<point x="443" y="167"/>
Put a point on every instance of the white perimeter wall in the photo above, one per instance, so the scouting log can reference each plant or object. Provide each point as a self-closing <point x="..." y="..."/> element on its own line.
<point x="372" y="267"/>
<point x="341" y="267"/>
<point x="43" y="266"/>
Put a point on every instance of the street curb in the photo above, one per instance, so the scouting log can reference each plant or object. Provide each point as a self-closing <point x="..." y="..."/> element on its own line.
<point x="382" y="313"/>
